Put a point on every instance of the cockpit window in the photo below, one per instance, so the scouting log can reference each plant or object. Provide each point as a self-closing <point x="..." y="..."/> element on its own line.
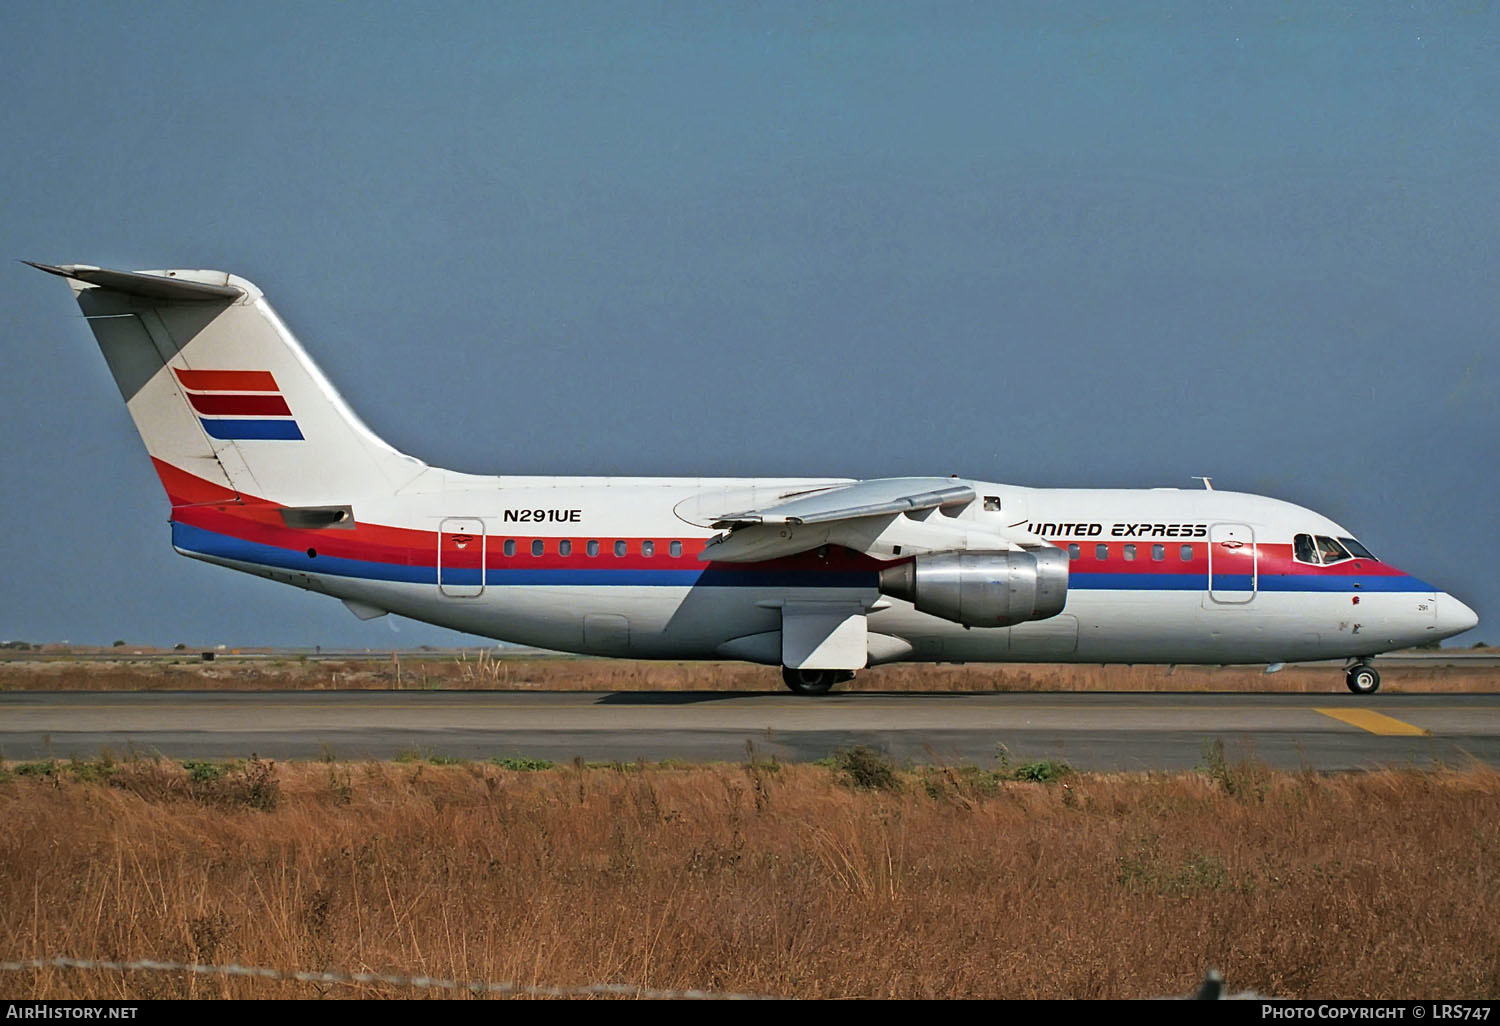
<point x="1331" y="551"/>
<point x="1326" y="551"/>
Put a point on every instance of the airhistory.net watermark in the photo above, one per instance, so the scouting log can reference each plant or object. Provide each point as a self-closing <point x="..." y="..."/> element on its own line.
<point x="67" y="1010"/>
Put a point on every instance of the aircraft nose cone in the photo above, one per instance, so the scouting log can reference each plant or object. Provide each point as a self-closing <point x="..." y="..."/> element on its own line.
<point x="1454" y="617"/>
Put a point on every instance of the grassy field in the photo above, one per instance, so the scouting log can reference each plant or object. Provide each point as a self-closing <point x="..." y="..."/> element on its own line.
<point x="855" y="879"/>
<point x="479" y="670"/>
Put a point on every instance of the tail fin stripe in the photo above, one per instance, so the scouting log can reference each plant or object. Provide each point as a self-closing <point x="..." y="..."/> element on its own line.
<point x="232" y="404"/>
<point x="238" y="430"/>
<point x="227" y="380"/>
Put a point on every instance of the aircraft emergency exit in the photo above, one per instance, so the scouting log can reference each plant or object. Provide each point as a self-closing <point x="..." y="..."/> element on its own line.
<point x="269" y="472"/>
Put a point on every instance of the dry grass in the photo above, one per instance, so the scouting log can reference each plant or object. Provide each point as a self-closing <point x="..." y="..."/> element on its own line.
<point x="478" y="670"/>
<point x="781" y="880"/>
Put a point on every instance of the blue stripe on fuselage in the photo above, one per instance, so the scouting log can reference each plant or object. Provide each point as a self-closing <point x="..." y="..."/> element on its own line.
<point x="211" y="543"/>
<point x="1243" y="582"/>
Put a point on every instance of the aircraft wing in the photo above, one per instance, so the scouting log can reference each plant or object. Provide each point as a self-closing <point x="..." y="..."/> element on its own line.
<point x="851" y="515"/>
<point x="860" y="499"/>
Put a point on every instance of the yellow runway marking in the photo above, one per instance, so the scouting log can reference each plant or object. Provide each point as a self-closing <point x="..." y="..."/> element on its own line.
<point x="1374" y="722"/>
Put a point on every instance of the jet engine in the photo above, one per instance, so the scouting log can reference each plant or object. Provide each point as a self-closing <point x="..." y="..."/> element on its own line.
<point x="983" y="589"/>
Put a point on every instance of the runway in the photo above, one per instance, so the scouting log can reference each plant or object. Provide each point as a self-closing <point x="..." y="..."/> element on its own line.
<point x="1090" y="731"/>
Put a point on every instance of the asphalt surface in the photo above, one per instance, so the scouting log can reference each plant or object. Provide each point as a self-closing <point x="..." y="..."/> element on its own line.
<point x="1091" y="730"/>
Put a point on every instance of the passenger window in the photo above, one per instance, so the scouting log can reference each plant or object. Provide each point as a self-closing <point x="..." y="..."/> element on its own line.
<point x="565" y="548"/>
<point x="1303" y="549"/>
<point x="592" y="548"/>
<point x="675" y="549"/>
<point x="1331" y="551"/>
<point x="1101" y="551"/>
<point x="1158" y="552"/>
<point x="1186" y="555"/>
<point x="619" y="548"/>
<point x="510" y="546"/>
<point x="536" y="547"/>
<point x="1074" y="551"/>
<point x="1129" y="551"/>
<point x="648" y="548"/>
<point x="992" y="503"/>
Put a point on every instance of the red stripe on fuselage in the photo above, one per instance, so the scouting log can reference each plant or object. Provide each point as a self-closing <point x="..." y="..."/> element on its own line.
<point x="212" y="507"/>
<point x="1272" y="558"/>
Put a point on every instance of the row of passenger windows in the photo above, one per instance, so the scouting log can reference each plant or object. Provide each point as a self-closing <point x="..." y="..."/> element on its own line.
<point x="591" y="548"/>
<point x="1324" y="550"/>
<point x="1129" y="552"/>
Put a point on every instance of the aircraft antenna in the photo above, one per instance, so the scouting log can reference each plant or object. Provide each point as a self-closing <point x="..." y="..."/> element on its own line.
<point x="1208" y="482"/>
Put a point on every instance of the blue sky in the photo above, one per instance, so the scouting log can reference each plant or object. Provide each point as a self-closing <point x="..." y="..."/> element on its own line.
<point x="1074" y="247"/>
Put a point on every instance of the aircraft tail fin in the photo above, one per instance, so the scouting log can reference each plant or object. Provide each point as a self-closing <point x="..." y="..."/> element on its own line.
<point x="222" y="393"/>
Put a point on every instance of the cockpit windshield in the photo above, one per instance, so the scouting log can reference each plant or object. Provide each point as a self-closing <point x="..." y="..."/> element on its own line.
<point x="1322" y="550"/>
<point x="1331" y="551"/>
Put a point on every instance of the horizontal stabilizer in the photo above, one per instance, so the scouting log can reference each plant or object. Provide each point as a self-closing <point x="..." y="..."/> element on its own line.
<point x="147" y="286"/>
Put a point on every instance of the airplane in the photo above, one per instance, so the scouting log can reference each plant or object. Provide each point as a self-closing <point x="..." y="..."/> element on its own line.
<point x="269" y="472"/>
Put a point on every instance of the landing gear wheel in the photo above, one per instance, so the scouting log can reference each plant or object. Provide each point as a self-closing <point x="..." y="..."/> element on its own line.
<point x="1362" y="679"/>
<point x="813" y="682"/>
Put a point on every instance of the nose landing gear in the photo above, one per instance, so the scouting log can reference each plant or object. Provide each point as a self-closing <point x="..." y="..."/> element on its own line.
<point x="814" y="682"/>
<point x="1362" y="679"/>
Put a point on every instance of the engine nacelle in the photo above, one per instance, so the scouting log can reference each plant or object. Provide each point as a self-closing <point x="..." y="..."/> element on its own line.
<point x="983" y="589"/>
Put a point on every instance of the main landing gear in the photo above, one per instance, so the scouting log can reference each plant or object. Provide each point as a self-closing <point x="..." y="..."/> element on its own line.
<point x="1362" y="679"/>
<point x="814" y="682"/>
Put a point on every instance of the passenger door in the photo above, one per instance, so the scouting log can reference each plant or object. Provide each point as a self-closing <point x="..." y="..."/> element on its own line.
<point x="460" y="569"/>
<point x="1232" y="564"/>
